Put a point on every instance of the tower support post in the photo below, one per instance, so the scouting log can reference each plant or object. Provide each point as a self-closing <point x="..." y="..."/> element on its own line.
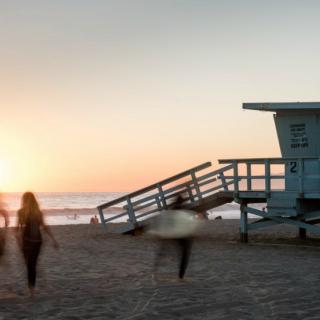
<point x="243" y="223"/>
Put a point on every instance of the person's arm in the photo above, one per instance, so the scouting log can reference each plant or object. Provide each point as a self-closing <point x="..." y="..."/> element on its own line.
<point x="17" y="231"/>
<point x="4" y="213"/>
<point x="49" y="233"/>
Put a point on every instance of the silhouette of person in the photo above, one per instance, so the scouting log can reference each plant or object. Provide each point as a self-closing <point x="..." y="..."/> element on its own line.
<point x="172" y="226"/>
<point x="4" y="214"/>
<point x="28" y="233"/>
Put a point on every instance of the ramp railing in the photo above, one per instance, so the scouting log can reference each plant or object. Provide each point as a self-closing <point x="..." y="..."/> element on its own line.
<point x="192" y="184"/>
<point x="258" y="174"/>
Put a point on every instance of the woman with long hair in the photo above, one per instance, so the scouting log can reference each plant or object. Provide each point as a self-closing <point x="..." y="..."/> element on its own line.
<point x="28" y="231"/>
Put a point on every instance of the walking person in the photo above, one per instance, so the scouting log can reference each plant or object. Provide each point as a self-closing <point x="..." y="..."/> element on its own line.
<point x="28" y="233"/>
<point x="177" y="226"/>
<point x="4" y="214"/>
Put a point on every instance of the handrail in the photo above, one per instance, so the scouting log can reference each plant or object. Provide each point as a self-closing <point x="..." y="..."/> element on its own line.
<point x="262" y="160"/>
<point x="155" y="185"/>
<point x="204" y="179"/>
<point x="256" y="177"/>
<point x="156" y="197"/>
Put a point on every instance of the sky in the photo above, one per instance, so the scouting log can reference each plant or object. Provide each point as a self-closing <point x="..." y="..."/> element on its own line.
<point x="114" y="95"/>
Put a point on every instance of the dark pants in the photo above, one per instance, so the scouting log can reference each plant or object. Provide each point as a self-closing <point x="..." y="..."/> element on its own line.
<point x="31" y="252"/>
<point x="184" y="249"/>
<point x="2" y="241"/>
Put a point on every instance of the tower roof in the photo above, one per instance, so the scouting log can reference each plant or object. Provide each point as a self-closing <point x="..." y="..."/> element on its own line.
<point x="282" y="106"/>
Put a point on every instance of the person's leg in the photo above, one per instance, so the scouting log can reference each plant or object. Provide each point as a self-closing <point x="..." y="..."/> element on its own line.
<point x="185" y="246"/>
<point x="26" y="250"/>
<point x="2" y="242"/>
<point x="33" y="254"/>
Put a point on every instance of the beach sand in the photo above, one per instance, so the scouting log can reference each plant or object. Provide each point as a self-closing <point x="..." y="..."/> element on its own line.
<point x="96" y="275"/>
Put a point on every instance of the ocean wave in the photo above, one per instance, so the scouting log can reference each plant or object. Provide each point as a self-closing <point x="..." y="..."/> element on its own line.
<point x="73" y="211"/>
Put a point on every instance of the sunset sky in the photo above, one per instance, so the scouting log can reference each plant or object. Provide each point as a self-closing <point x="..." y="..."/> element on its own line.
<point x="114" y="95"/>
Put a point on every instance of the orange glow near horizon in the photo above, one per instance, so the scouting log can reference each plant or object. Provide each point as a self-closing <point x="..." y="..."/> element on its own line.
<point x="112" y="96"/>
<point x="62" y="153"/>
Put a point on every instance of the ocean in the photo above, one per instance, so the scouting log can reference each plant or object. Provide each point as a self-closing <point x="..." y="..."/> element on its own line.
<point x="78" y="207"/>
<point x="62" y="207"/>
<point x="63" y="200"/>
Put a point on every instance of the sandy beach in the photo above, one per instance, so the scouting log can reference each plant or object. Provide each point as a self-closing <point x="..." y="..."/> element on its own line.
<point x="96" y="275"/>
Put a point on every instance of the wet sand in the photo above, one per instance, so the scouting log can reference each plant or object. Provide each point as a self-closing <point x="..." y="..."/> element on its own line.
<point x="106" y="276"/>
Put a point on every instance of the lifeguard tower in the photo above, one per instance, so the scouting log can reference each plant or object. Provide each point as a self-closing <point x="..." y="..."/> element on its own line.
<point x="290" y="185"/>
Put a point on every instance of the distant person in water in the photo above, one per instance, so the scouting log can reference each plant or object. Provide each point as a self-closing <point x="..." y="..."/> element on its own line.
<point x="94" y="220"/>
<point x="4" y="214"/>
<point x="28" y="233"/>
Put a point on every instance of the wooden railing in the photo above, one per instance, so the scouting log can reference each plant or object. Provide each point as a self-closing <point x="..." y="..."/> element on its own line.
<point x="254" y="164"/>
<point x="159" y="196"/>
<point x="286" y="168"/>
<point x="196" y="185"/>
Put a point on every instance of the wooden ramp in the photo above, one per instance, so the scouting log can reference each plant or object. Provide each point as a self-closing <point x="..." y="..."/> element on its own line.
<point x="202" y="190"/>
<point x="216" y="200"/>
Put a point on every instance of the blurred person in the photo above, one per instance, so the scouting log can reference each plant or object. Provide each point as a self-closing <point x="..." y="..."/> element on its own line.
<point x="28" y="233"/>
<point x="176" y="226"/>
<point x="203" y="215"/>
<point x="4" y="214"/>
